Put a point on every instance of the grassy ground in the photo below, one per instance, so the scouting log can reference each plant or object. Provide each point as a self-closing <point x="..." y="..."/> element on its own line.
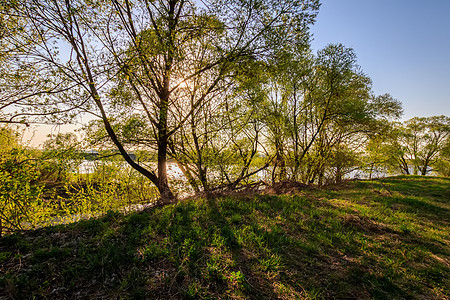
<point x="382" y="239"/>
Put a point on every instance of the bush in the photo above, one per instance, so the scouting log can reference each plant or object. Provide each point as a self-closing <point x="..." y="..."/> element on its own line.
<point x="21" y="204"/>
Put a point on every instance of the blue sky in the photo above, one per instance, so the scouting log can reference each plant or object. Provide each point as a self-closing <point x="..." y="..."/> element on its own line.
<point x="403" y="45"/>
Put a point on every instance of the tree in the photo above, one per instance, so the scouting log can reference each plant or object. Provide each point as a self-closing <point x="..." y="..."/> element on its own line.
<point x="149" y="47"/>
<point x="442" y="165"/>
<point x="320" y="110"/>
<point x="419" y="143"/>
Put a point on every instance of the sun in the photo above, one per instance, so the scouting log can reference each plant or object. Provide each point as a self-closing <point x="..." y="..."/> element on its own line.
<point x="183" y="85"/>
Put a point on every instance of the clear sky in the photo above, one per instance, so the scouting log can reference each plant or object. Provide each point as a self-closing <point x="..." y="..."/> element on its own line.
<point x="403" y="45"/>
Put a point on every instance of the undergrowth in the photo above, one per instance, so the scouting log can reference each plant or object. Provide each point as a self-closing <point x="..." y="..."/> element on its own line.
<point x="380" y="239"/>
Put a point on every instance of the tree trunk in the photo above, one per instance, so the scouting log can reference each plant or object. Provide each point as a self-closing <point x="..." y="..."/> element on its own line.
<point x="321" y="177"/>
<point x="280" y="162"/>
<point x="404" y="165"/>
<point x="186" y="171"/>
<point x="166" y="195"/>
<point x="424" y="168"/>
<point x="338" y="177"/>
<point x="199" y="161"/>
<point x="296" y="141"/>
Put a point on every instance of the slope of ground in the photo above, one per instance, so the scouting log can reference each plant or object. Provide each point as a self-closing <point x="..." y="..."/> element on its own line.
<point x="381" y="239"/>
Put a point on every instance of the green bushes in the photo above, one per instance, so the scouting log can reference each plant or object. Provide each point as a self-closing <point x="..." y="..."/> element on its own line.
<point x="21" y="203"/>
<point x="40" y="188"/>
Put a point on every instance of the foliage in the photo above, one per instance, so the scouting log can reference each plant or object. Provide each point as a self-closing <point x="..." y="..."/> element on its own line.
<point x="229" y="91"/>
<point x="325" y="106"/>
<point x="29" y="199"/>
<point x="63" y="156"/>
<point x="442" y="165"/>
<point x="21" y="203"/>
<point x="147" y="74"/>
<point x="418" y="145"/>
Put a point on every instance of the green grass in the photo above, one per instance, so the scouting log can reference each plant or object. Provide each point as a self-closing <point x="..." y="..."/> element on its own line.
<point x="380" y="239"/>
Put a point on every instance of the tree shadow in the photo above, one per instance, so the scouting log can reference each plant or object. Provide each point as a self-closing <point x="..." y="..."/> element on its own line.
<point x="265" y="247"/>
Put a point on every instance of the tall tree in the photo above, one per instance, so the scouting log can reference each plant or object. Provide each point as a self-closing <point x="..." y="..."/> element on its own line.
<point x="320" y="108"/>
<point x="153" y="47"/>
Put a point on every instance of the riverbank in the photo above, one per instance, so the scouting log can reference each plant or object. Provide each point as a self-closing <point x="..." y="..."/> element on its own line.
<point x="382" y="239"/>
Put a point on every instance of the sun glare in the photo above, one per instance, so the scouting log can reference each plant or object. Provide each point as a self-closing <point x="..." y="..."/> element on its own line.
<point x="183" y="85"/>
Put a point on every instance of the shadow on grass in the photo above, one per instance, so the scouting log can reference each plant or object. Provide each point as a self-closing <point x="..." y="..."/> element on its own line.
<point x="265" y="247"/>
<point x="433" y="188"/>
<point x="426" y="197"/>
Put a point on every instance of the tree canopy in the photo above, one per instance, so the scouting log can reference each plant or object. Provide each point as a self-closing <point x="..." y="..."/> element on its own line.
<point x="228" y="90"/>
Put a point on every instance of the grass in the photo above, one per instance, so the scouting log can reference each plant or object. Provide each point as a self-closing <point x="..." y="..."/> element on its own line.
<point x="380" y="239"/>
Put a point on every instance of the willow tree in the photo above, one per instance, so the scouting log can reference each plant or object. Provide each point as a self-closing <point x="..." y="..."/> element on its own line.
<point x="340" y="112"/>
<point x="319" y="110"/>
<point x="151" y="48"/>
<point x="419" y="144"/>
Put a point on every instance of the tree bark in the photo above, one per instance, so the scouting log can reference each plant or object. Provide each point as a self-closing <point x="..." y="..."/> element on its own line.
<point x="166" y="194"/>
